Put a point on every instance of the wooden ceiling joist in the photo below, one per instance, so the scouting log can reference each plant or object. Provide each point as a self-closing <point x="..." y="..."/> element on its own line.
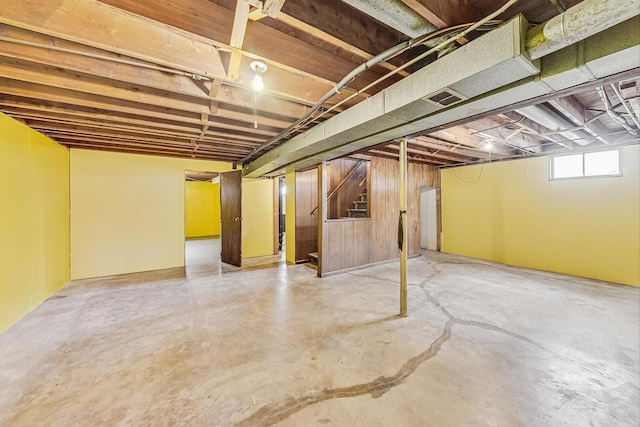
<point x="145" y="149"/>
<point x="237" y="37"/>
<point x="386" y="153"/>
<point x="99" y="124"/>
<point x="173" y="78"/>
<point x="39" y="91"/>
<point x="315" y="20"/>
<point x="78" y="58"/>
<point x="214" y="22"/>
<point x="13" y="104"/>
<point x="453" y="148"/>
<point x="51" y="127"/>
<point x="51" y="75"/>
<point x="63" y="79"/>
<point x="426" y="154"/>
<point x="115" y="30"/>
<point x="84" y="59"/>
<point x="217" y="149"/>
<point x="272" y="8"/>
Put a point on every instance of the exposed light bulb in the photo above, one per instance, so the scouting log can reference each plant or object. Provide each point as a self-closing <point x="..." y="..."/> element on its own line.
<point x="489" y="145"/>
<point x="258" y="83"/>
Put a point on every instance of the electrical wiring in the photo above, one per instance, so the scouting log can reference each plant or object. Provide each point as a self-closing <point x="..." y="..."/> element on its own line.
<point x="384" y="56"/>
<point x="317" y="110"/>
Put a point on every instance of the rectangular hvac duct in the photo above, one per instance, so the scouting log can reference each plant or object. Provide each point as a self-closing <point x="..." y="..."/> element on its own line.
<point x="492" y="61"/>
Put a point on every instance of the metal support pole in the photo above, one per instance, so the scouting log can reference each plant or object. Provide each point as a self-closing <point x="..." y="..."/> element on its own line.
<point x="403" y="218"/>
<point x="323" y="235"/>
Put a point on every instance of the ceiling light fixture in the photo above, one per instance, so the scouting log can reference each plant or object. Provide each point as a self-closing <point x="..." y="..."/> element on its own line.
<point x="258" y="67"/>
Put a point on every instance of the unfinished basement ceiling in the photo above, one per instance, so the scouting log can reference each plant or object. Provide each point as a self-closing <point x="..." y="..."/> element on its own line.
<point x="570" y="122"/>
<point x="173" y="78"/>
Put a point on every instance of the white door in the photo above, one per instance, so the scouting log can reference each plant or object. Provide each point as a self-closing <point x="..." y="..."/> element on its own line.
<point x="428" y="219"/>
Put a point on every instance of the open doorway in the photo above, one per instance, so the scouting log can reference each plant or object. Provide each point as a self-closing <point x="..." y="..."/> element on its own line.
<point x="201" y="218"/>
<point x="429" y="219"/>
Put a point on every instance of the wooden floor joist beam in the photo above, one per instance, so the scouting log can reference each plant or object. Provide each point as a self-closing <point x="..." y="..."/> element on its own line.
<point x="237" y="37"/>
<point x="39" y="92"/>
<point x="127" y="148"/>
<point x="278" y="49"/>
<point x="99" y="25"/>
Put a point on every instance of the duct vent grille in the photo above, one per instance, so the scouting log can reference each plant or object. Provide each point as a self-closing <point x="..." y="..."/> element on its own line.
<point x="628" y="85"/>
<point x="445" y="97"/>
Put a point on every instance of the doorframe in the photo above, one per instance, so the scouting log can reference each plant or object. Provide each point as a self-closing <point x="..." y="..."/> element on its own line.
<point x="276" y="215"/>
<point x="424" y="190"/>
<point x="184" y="207"/>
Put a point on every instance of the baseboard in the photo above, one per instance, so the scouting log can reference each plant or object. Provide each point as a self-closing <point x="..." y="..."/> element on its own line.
<point x="360" y="267"/>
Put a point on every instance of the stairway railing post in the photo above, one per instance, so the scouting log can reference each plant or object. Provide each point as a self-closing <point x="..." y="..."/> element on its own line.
<point x="322" y="216"/>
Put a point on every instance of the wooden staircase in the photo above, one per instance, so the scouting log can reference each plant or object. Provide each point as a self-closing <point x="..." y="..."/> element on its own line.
<point x="359" y="209"/>
<point x="351" y="183"/>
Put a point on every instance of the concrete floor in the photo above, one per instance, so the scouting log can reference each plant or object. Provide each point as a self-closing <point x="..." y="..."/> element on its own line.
<point x="483" y="344"/>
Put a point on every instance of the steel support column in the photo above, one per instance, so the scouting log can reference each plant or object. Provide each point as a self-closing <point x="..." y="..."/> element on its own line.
<point x="403" y="219"/>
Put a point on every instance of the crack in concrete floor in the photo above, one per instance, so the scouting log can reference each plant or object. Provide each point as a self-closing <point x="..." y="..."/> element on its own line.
<point x="273" y="413"/>
<point x="489" y="326"/>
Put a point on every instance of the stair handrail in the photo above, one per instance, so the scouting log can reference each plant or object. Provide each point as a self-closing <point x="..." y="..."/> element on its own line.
<point x="339" y="186"/>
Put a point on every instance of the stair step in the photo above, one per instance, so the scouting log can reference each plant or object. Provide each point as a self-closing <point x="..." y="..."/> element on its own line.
<point x="360" y="204"/>
<point x="313" y="258"/>
<point x="357" y="213"/>
<point x="363" y="197"/>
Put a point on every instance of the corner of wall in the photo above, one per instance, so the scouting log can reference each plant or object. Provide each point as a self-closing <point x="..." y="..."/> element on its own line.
<point x="290" y="217"/>
<point x="34" y="219"/>
<point x="583" y="227"/>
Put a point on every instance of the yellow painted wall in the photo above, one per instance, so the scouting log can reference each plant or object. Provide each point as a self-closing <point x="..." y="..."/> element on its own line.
<point x="202" y="209"/>
<point x="290" y="217"/>
<point x="34" y="219"/>
<point x="127" y="211"/>
<point x="512" y="213"/>
<point x="257" y="213"/>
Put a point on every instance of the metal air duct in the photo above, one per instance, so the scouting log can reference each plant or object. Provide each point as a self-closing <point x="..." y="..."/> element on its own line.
<point x="577" y="23"/>
<point x="487" y="63"/>
<point x="489" y="73"/>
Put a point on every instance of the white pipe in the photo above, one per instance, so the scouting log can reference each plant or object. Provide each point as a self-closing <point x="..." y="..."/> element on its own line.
<point x="625" y="104"/>
<point x="547" y="118"/>
<point x="613" y="113"/>
<point x="578" y="23"/>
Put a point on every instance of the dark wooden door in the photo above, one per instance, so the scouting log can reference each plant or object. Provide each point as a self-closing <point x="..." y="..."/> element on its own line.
<point x="231" y="217"/>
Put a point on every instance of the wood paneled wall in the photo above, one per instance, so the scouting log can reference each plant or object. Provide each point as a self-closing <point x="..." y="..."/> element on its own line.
<point x="306" y="224"/>
<point x="356" y="242"/>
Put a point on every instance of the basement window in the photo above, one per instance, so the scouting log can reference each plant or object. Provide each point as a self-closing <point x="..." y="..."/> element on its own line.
<point x="585" y="165"/>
